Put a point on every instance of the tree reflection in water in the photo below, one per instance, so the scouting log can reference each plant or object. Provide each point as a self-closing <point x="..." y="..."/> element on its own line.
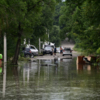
<point x="4" y="80"/>
<point x="57" y="79"/>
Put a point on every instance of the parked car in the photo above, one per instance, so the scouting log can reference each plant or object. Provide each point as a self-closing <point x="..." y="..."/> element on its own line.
<point x="67" y="51"/>
<point x="48" y="50"/>
<point x="28" y="53"/>
<point x="29" y="50"/>
<point x="33" y="49"/>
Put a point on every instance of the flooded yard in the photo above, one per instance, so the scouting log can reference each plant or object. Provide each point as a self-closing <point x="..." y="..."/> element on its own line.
<point x="50" y="80"/>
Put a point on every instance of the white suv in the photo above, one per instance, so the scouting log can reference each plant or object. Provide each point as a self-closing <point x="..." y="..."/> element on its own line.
<point x="33" y="49"/>
<point x="67" y="51"/>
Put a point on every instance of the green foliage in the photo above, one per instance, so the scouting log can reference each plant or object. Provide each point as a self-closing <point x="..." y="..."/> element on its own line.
<point x="80" y="20"/>
<point x="1" y="44"/>
<point x="66" y="20"/>
<point x="23" y="59"/>
<point x="43" y="23"/>
<point x="57" y="14"/>
<point x="98" y="51"/>
<point x="55" y="35"/>
<point x="25" y="19"/>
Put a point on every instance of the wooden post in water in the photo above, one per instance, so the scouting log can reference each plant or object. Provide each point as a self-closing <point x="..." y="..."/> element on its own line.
<point x="80" y="60"/>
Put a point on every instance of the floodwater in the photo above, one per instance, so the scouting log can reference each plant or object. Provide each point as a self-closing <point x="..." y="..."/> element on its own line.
<point x="50" y="80"/>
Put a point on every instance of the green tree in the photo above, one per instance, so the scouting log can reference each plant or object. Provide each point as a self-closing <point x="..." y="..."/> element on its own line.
<point x="65" y="20"/>
<point x="44" y="22"/>
<point x="80" y="19"/>
<point x="55" y="35"/>
<point x="57" y="13"/>
<point x="24" y="19"/>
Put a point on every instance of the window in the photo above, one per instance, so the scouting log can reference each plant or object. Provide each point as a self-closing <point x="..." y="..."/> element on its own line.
<point x="32" y="47"/>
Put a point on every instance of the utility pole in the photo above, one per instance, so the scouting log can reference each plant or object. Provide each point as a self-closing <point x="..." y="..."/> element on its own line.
<point x="39" y="46"/>
<point x="5" y="49"/>
<point x="29" y="41"/>
<point x="24" y="40"/>
<point x="5" y="60"/>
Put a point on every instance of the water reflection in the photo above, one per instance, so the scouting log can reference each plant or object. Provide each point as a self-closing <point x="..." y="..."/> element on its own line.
<point x="4" y="80"/>
<point x="38" y="72"/>
<point x="28" y="69"/>
<point x="17" y="82"/>
<point x="56" y="66"/>
<point x="51" y="80"/>
<point x="1" y="68"/>
<point x="80" y="66"/>
<point x="83" y="67"/>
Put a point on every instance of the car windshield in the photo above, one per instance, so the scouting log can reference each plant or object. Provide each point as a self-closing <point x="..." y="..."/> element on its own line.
<point x="67" y="49"/>
<point x="32" y="47"/>
<point x="48" y="48"/>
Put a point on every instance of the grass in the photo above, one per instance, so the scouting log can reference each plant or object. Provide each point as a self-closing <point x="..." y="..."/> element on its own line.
<point x="82" y="52"/>
<point x="23" y="59"/>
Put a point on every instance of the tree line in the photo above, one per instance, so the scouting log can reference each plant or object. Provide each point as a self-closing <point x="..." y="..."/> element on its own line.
<point x="81" y="23"/>
<point x="32" y="19"/>
<point x="24" y="19"/>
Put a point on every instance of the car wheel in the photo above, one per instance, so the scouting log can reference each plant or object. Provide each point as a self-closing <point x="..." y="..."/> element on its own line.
<point x="51" y="53"/>
<point x="63" y="54"/>
<point x="70" y="55"/>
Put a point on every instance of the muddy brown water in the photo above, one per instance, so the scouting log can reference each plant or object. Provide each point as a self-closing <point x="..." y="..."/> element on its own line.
<point x="50" y="80"/>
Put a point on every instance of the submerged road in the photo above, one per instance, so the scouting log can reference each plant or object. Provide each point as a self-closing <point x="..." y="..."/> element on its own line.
<point x="64" y="43"/>
<point x="48" y="79"/>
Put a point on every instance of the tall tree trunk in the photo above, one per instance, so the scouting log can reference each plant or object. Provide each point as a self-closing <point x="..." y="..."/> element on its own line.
<point x="15" y="58"/>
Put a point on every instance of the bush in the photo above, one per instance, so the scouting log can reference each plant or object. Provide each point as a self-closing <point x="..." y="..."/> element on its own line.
<point x="98" y="51"/>
<point x="23" y="59"/>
